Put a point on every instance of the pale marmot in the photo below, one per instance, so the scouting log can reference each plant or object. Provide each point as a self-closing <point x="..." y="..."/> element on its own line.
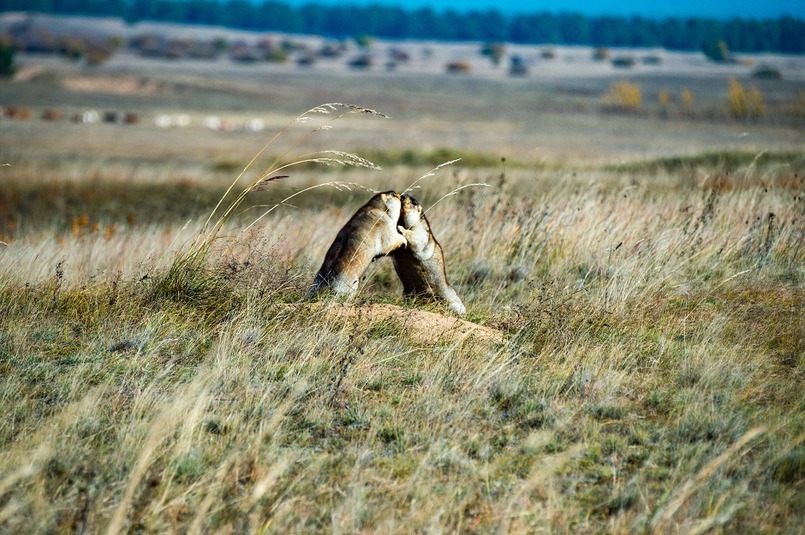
<point x="420" y="265"/>
<point x="369" y="234"/>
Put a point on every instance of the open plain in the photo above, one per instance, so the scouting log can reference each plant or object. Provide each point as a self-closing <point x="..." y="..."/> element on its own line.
<point x="633" y="358"/>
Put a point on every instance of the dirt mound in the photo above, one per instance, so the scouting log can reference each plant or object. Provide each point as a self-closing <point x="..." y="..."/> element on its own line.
<point x="424" y="327"/>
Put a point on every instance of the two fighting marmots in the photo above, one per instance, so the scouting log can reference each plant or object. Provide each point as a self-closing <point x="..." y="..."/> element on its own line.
<point x="389" y="224"/>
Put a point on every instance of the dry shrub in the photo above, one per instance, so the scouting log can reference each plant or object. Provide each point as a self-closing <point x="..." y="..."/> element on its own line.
<point x="687" y="101"/>
<point x="663" y="98"/>
<point x="745" y="105"/>
<point x="623" y="97"/>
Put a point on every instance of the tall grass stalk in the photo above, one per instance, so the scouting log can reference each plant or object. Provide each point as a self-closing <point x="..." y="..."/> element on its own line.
<point x="429" y="174"/>
<point x="414" y="185"/>
<point x="337" y="185"/>
<point x="195" y="257"/>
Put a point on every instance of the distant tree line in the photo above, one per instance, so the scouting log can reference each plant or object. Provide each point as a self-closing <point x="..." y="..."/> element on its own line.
<point x="785" y="34"/>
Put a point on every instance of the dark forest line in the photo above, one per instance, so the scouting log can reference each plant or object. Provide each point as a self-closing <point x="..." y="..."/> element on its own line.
<point x="784" y="34"/>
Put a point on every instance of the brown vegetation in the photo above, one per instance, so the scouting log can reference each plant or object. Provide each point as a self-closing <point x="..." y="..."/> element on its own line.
<point x="458" y="67"/>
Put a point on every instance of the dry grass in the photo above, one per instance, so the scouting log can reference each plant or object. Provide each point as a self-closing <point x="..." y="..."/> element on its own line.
<point x="644" y="359"/>
<point x="648" y="377"/>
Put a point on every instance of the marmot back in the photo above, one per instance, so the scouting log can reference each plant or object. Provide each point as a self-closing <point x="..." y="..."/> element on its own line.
<point x="369" y="234"/>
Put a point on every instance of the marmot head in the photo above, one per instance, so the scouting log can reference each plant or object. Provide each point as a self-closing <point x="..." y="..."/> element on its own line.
<point x="391" y="200"/>
<point x="411" y="211"/>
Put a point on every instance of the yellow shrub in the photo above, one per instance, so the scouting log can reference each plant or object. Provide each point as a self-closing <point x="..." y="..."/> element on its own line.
<point x="687" y="100"/>
<point x="755" y="104"/>
<point x="745" y="104"/>
<point x="623" y="97"/>
<point x="736" y="99"/>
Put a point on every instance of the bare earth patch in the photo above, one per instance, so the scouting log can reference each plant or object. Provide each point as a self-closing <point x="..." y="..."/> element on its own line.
<point x="423" y="326"/>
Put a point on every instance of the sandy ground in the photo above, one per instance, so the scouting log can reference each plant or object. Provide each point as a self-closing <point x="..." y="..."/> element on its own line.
<point x="424" y="327"/>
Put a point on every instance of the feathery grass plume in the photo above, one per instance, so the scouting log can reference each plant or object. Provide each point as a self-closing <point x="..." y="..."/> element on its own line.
<point x="455" y="191"/>
<point x="186" y="266"/>
<point x="284" y="161"/>
<point x="432" y="172"/>
<point x="429" y="174"/>
<point x="338" y="186"/>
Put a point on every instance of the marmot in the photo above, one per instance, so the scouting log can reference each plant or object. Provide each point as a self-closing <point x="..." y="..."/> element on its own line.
<point x="420" y="265"/>
<point x="368" y="235"/>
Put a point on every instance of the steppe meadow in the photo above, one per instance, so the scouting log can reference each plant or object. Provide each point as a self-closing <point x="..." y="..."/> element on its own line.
<point x="629" y="243"/>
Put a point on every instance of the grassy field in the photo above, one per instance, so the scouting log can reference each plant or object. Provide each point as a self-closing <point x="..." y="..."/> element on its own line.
<point x="644" y="279"/>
